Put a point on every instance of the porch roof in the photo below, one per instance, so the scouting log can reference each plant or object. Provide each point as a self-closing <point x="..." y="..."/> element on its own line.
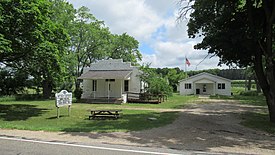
<point x="106" y="74"/>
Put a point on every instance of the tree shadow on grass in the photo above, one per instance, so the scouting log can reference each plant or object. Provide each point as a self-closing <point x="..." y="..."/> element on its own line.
<point x="128" y="122"/>
<point x="19" y="112"/>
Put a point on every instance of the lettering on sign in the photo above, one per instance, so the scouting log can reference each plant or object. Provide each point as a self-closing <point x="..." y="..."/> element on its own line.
<point x="63" y="98"/>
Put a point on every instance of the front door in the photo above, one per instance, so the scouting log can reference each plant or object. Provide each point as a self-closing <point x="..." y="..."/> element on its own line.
<point x="110" y="87"/>
<point x="197" y="91"/>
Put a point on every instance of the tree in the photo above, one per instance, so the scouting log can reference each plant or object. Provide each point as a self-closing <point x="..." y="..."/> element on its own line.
<point x="240" y="32"/>
<point x="12" y="81"/>
<point x="125" y="47"/>
<point x="89" y="38"/>
<point x="173" y="75"/>
<point x="33" y="43"/>
<point x="156" y="84"/>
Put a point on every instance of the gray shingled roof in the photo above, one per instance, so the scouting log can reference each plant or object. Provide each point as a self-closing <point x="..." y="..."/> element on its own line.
<point x="106" y="74"/>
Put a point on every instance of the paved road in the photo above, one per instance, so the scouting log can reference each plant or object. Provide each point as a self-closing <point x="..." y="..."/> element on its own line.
<point x="18" y="146"/>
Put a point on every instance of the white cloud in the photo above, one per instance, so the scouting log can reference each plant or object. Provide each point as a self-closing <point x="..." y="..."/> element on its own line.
<point x="153" y="23"/>
<point x="134" y="17"/>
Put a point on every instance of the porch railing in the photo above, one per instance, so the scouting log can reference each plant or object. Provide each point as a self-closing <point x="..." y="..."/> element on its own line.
<point x="145" y="97"/>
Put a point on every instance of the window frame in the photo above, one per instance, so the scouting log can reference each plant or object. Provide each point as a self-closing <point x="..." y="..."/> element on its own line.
<point x="94" y="88"/>
<point x="187" y="86"/>
<point x="221" y="86"/>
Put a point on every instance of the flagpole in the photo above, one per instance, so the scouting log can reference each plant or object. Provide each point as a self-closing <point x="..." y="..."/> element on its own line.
<point x="185" y="67"/>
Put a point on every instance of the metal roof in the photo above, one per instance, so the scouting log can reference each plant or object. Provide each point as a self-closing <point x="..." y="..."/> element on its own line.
<point x="106" y="74"/>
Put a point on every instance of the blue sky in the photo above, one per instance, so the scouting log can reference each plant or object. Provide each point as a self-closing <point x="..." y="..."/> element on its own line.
<point x="163" y="40"/>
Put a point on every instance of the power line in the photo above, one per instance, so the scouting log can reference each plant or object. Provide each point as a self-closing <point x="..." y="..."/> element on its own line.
<point x="202" y="60"/>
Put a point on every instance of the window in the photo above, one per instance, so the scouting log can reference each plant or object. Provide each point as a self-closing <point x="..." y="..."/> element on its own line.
<point x="126" y="85"/>
<point x="94" y="85"/>
<point x="110" y="80"/>
<point x="221" y="85"/>
<point x="188" y="86"/>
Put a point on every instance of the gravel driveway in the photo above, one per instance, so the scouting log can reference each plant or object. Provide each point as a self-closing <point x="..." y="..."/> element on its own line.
<point x="212" y="126"/>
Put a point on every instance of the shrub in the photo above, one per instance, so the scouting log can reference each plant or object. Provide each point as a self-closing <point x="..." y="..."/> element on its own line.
<point x="28" y="97"/>
<point x="78" y="93"/>
<point x="7" y="98"/>
<point x="249" y="93"/>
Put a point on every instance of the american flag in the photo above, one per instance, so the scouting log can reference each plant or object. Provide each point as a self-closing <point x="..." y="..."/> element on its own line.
<point x="187" y="62"/>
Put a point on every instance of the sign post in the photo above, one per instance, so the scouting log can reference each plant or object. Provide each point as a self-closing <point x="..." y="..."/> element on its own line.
<point x="63" y="98"/>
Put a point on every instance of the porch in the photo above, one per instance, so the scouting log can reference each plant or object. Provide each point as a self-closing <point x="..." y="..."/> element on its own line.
<point x="204" y="87"/>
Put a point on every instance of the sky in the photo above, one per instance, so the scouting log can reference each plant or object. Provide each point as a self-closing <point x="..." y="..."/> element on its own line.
<point x="163" y="41"/>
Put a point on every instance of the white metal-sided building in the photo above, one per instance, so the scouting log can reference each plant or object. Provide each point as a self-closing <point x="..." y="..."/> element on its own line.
<point x="205" y="84"/>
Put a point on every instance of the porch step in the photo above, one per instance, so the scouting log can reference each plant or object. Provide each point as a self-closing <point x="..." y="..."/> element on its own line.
<point x="104" y="101"/>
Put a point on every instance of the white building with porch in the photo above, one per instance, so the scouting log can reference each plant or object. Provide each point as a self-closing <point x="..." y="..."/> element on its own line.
<point x="205" y="84"/>
<point x="110" y="79"/>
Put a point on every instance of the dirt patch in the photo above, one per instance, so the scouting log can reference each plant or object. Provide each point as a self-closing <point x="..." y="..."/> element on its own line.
<point x="209" y="125"/>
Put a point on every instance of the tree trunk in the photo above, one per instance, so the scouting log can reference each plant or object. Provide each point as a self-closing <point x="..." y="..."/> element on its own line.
<point x="47" y="89"/>
<point x="249" y="83"/>
<point x="271" y="106"/>
<point x="264" y="83"/>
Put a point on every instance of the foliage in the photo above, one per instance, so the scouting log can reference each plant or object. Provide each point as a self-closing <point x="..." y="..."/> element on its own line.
<point x="125" y="47"/>
<point x="249" y="93"/>
<point x="77" y="93"/>
<point x="7" y="98"/>
<point x="51" y="42"/>
<point x="36" y="42"/>
<point x="12" y="81"/>
<point x="233" y="74"/>
<point x="172" y="74"/>
<point x="156" y="83"/>
<point x="28" y="97"/>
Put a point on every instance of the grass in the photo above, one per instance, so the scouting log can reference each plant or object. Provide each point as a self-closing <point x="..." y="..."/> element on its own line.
<point x="259" y="121"/>
<point x="255" y="120"/>
<point x="41" y="115"/>
<point x="249" y="100"/>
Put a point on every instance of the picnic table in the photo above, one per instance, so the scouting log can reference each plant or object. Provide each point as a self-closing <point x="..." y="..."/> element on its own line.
<point x="105" y="114"/>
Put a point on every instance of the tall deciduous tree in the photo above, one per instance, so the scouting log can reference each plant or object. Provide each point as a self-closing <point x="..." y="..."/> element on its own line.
<point x="125" y="47"/>
<point x="33" y="43"/>
<point x="89" y="37"/>
<point x="240" y="32"/>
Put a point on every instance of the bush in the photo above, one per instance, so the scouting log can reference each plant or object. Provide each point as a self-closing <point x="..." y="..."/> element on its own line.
<point x="249" y="93"/>
<point x="77" y="93"/>
<point x="7" y="98"/>
<point x="28" y="97"/>
<point x="159" y="86"/>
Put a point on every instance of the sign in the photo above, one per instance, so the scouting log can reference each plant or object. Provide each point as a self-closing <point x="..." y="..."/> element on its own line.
<point x="63" y="98"/>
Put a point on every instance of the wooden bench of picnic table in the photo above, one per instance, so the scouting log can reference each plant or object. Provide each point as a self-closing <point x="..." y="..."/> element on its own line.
<point x="104" y="114"/>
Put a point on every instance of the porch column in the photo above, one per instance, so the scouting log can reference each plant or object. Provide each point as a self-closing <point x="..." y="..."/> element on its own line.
<point x="108" y="89"/>
<point x="121" y="87"/>
<point x="214" y="89"/>
<point x="194" y="88"/>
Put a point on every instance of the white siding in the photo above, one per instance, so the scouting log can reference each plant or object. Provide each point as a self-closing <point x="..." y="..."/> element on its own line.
<point x="211" y="83"/>
<point x="134" y="83"/>
<point x="117" y="87"/>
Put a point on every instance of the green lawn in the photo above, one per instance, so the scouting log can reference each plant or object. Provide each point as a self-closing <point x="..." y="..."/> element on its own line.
<point x="41" y="115"/>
